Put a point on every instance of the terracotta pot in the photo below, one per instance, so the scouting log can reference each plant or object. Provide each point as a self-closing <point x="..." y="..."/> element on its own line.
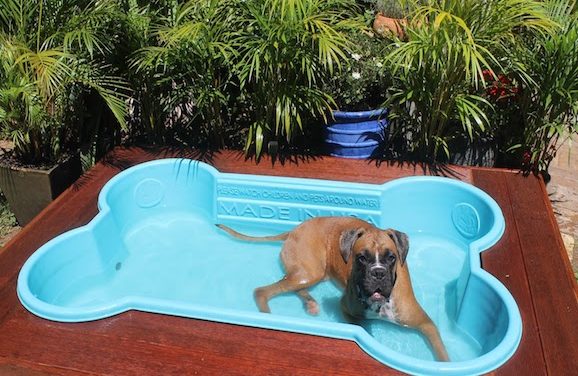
<point x="29" y="190"/>
<point x="383" y="25"/>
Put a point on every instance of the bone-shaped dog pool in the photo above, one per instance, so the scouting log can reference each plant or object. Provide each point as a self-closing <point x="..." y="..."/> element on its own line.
<point x="154" y="247"/>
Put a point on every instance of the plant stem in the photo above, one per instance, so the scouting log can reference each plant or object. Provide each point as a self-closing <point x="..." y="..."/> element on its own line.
<point x="39" y="25"/>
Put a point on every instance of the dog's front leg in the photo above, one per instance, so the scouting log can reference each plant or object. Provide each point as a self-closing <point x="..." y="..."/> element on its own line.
<point x="431" y="332"/>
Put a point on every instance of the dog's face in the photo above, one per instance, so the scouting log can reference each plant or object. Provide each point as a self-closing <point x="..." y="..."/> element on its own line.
<point x="374" y="255"/>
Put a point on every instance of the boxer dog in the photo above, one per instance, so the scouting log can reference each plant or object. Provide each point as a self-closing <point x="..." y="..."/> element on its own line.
<point x="369" y="263"/>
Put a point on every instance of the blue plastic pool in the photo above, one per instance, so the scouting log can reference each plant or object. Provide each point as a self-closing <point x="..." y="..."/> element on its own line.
<point x="154" y="247"/>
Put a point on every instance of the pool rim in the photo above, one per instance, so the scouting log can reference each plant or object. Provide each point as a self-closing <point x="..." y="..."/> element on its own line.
<point x="497" y="356"/>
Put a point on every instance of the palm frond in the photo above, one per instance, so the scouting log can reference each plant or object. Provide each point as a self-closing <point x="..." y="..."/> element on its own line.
<point x="49" y="69"/>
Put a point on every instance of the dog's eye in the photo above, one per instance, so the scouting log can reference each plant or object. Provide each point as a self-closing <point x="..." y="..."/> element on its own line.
<point x="361" y="259"/>
<point x="391" y="257"/>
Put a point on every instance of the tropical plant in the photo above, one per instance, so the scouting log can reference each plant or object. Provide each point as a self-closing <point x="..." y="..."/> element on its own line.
<point x="439" y="69"/>
<point x="190" y="61"/>
<point x="7" y="220"/>
<point x="48" y="55"/>
<point x="287" y="48"/>
<point x="549" y="99"/>
<point x="363" y="82"/>
<point x="391" y="8"/>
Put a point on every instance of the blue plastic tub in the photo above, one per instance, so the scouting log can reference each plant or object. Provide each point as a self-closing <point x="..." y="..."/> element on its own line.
<point x="354" y="150"/>
<point x="355" y="134"/>
<point x="154" y="247"/>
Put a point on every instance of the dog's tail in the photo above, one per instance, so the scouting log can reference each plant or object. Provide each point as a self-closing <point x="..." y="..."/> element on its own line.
<point x="238" y="235"/>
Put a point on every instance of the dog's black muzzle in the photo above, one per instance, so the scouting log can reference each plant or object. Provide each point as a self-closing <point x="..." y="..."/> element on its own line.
<point x="379" y="282"/>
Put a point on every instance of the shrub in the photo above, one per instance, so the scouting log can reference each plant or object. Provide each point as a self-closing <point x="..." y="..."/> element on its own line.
<point x="48" y="62"/>
<point x="363" y="82"/>
<point x="287" y="48"/>
<point x="439" y="70"/>
<point x="548" y="103"/>
<point x="187" y="74"/>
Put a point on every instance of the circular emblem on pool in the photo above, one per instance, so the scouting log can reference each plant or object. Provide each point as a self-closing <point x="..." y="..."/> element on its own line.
<point x="466" y="220"/>
<point x="149" y="193"/>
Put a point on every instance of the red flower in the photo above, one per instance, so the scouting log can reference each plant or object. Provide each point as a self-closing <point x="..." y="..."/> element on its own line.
<point x="499" y="87"/>
<point x="503" y="79"/>
<point x="488" y="74"/>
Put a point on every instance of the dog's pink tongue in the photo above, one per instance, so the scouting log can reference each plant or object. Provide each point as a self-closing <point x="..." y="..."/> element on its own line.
<point x="376" y="296"/>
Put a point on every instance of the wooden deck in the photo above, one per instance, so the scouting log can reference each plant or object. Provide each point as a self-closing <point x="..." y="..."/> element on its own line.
<point x="529" y="260"/>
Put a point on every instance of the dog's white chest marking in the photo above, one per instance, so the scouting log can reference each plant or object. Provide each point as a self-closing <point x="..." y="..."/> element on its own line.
<point x="385" y="311"/>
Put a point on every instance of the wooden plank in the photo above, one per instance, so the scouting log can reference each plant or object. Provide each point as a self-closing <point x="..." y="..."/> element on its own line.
<point x="505" y="262"/>
<point x="148" y="344"/>
<point x="338" y="169"/>
<point x="551" y="285"/>
<point x="110" y="342"/>
<point x="561" y="246"/>
<point x="143" y="343"/>
<point x="33" y="369"/>
<point x="313" y="167"/>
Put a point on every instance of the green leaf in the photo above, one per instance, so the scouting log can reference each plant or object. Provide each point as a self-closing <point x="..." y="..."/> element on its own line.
<point x="258" y="139"/>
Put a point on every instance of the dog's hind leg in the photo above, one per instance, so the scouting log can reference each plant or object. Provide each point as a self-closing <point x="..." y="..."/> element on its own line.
<point x="287" y="284"/>
<point x="263" y="294"/>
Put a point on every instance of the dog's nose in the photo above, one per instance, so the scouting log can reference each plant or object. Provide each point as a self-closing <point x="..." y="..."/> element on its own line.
<point x="378" y="272"/>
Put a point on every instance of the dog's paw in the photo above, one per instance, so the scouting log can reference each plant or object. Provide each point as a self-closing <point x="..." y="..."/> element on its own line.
<point x="312" y="308"/>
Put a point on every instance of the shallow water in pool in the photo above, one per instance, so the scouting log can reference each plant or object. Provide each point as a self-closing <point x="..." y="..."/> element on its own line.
<point x="184" y="258"/>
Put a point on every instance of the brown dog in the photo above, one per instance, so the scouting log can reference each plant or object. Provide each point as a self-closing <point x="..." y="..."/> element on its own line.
<point x="367" y="261"/>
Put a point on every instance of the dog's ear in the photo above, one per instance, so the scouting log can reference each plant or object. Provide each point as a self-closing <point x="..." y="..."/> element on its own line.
<point x="401" y="242"/>
<point x="347" y="240"/>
